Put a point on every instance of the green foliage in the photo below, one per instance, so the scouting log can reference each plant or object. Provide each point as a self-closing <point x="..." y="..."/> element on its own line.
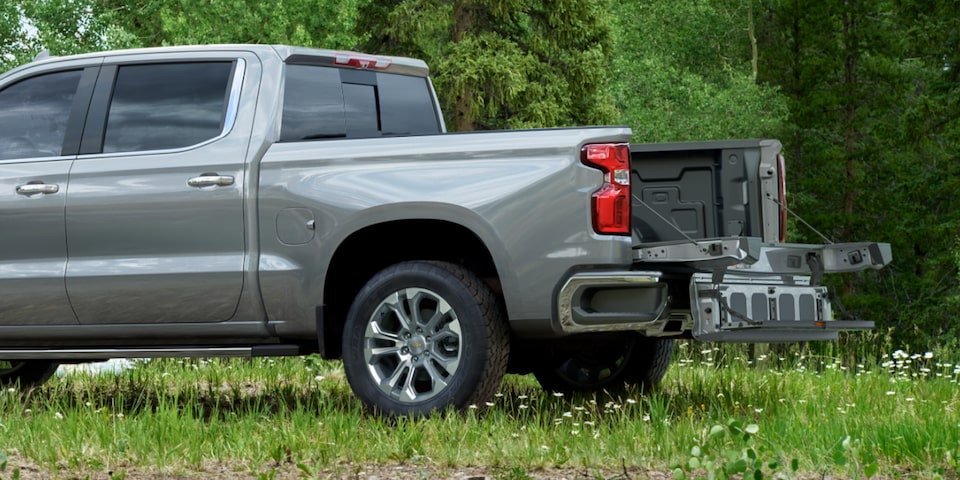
<point x="683" y="72"/>
<point x="732" y="449"/>
<point x="12" y="47"/>
<point x="513" y="473"/>
<point x="858" y="460"/>
<point x="310" y="23"/>
<point x="505" y="64"/>
<point x="872" y="143"/>
<point x="264" y="414"/>
<point x="14" y="475"/>
<point x="65" y="27"/>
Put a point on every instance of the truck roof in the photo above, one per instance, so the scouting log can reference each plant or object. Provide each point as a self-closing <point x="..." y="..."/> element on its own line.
<point x="287" y="53"/>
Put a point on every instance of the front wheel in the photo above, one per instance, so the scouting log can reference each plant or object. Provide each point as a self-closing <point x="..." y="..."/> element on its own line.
<point x="424" y="336"/>
<point x="26" y="373"/>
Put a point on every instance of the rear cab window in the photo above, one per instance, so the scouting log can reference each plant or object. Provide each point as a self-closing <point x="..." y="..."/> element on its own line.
<point x="322" y="102"/>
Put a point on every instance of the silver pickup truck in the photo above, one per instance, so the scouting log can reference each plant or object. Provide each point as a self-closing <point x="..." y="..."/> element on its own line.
<point x="247" y="200"/>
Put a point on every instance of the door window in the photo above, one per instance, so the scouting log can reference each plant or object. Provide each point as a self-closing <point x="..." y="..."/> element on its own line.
<point x="34" y="113"/>
<point x="166" y="106"/>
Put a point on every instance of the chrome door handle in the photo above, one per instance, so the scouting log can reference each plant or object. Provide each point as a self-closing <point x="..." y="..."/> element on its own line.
<point x="206" y="180"/>
<point x="33" y="188"/>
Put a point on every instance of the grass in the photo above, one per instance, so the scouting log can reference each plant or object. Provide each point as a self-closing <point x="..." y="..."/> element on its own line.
<point x="898" y="415"/>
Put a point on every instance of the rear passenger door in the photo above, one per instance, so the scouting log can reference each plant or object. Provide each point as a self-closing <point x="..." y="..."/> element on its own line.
<point x="40" y="120"/>
<point x="154" y="214"/>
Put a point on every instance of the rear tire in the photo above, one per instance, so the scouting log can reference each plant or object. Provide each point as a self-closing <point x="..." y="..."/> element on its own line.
<point x="611" y="365"/>
<point x="26" y="373"/>
<point x="423" y="337"/>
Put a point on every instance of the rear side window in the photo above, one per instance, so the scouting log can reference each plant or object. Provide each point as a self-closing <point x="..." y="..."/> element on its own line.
<point x="327" y="102"/>
<point x="165" y="106"/>
<point x="33" y="115"/>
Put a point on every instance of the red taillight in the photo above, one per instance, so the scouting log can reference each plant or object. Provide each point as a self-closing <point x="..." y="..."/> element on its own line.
<point x="357" y="60"/>
<point x="611" y="203"/>
<point x="782" y="187"/>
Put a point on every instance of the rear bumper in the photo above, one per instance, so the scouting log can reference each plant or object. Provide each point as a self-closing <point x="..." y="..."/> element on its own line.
<point x="610" y="301"/>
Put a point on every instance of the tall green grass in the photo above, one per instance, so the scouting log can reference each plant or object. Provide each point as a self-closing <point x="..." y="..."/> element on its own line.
<point x="255" y="415"/>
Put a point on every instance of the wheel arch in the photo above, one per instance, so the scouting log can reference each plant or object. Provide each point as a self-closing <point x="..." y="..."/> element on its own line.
<point x="383" y="244"/>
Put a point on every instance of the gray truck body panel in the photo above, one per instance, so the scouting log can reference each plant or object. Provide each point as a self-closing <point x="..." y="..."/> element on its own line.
<point x="520" y="193"/>
<point x="155" y="260"/>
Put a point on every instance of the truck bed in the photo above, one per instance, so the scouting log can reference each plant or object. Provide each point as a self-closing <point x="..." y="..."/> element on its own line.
<point x="699" y="190"/>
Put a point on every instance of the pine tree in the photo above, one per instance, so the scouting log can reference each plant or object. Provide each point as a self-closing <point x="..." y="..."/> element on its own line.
<point x="507" y="63"/>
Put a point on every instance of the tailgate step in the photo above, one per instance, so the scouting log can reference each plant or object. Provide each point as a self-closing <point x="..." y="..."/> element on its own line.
<point x="763" y="309"/>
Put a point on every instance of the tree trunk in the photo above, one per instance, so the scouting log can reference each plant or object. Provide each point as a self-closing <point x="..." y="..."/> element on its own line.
<point x="753" y="42"/>
<point x="850" y="128"/>
<point x="850" y="133"/>
<point x="463" y="18"/>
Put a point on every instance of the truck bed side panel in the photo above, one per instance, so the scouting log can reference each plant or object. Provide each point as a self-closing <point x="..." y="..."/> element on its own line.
<point x="524" y="194"/>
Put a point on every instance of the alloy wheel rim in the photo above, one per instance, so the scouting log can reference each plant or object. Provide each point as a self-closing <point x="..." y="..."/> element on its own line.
<point x="412" y="345"/>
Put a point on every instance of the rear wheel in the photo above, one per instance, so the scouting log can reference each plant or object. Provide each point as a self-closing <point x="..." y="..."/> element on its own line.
<point x="26" y="373"/>
<point x="611" y="364"/>
<point x="424" y="336"/>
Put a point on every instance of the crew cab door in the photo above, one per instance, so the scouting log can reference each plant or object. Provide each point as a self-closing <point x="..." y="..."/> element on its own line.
<point x="40" y="114"/>
<point x="154" y="214"/>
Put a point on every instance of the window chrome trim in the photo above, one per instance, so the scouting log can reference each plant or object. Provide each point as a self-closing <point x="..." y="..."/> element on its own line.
<point x="233" y="104"/>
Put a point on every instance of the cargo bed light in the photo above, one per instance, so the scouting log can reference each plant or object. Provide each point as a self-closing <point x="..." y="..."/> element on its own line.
<point x="357" y="60"/>
<point x="610" y="205"/>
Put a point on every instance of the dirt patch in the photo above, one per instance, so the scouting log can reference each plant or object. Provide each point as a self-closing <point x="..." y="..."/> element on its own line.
<point x="29" y="470"/>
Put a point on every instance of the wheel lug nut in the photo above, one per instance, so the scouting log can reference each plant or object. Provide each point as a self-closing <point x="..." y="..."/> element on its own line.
<point x="416" y="359"/>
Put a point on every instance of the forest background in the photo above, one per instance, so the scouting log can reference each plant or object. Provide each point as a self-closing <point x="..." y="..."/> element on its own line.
<point x="864" y="95"/>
